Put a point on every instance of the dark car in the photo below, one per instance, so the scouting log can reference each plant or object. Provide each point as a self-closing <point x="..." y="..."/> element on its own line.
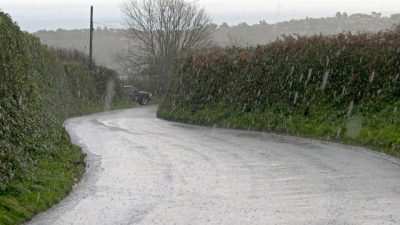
<point x="141" y="97"/>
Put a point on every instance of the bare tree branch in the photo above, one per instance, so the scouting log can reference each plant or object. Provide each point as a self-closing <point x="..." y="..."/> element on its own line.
<point x="163" y="29"/>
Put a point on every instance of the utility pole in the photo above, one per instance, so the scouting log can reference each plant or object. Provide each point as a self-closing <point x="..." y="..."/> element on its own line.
<point x="91" y="38"/>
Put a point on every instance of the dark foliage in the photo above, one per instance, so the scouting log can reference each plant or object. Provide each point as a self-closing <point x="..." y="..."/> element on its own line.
<point x="339" y="76"/>
<point x="39" y="89"/>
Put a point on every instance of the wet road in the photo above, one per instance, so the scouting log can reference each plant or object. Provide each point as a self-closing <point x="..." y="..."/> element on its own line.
<point x="143" y="170"/>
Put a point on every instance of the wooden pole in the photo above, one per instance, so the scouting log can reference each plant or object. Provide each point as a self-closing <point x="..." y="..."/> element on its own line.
<point x="91" y="38"/>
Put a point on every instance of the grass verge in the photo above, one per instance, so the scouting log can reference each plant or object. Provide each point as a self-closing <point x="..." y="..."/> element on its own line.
<point x="50" y="181"/>
<point x="52" y="177"/>
<point x="374" y="131"/>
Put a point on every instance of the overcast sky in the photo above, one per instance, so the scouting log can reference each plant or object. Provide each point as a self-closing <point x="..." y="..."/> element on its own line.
<point x="34" y="15"/>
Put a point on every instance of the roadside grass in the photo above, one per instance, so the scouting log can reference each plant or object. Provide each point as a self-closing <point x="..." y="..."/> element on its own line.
<point x="50" y="181"/>
<point x="377" y="131"/>
<point x="128" y="103"/>
<point x="52" y="177"/>
<point x="94" y="108"/>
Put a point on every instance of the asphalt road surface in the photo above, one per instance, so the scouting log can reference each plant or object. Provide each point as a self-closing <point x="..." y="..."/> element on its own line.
<point x="143" y="170"/>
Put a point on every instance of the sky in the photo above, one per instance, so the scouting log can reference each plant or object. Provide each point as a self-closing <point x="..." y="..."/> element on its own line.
<point x="33" y="15"/>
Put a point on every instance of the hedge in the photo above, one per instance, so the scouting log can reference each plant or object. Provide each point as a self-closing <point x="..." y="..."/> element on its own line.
<point x="39" y="89"/>
<point x="344" y="87"/>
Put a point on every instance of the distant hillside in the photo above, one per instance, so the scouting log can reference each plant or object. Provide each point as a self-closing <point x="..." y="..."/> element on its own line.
<point x="262" y="33"/>
<point x="108" y="42"/>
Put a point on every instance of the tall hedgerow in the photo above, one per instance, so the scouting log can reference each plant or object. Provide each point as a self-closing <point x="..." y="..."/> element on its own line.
<point x="39" y="89"/>
<point x="329" y="79"/>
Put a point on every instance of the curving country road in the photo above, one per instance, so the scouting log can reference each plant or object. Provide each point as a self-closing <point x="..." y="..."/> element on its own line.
<point x="143" y="170"/>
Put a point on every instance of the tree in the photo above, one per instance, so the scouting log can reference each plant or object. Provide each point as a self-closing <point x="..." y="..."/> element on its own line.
<point x="160" y="31"/>
<point x="376" y="14"/>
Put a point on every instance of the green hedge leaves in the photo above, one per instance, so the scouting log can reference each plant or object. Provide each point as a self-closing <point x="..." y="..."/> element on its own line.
<point x="344" y="87"/>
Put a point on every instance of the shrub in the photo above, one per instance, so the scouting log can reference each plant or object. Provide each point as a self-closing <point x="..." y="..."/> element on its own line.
<point x="328" y="79"/>
<point x="39" y="89"/>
